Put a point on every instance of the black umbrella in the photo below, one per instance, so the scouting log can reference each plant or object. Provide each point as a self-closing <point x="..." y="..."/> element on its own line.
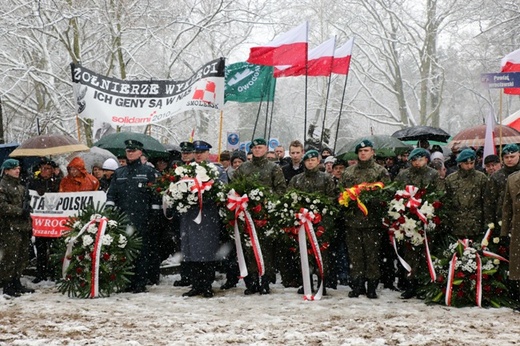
<point x="422" y="132"/>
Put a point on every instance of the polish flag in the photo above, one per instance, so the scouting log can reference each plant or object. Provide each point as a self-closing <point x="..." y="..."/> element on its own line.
<point x="319" y="64"/>
<point x="511" y="63"/>
<point x="289" y="48"/>
<point x="489" y="142"/>
<point x="341" y="62"/>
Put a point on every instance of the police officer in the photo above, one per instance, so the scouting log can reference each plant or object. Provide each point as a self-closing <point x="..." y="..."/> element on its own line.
<point x="129" y="192"/>
<point x="270" y="175"/>
<point x="363" y="233"/>
<point x="465" y="191"/>
<point x="15" y="230"/>
<point x="200" y="241"/>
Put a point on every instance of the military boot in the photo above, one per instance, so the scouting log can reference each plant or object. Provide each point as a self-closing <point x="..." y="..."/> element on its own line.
<point x="21" y="288"/>
<point x="371" y="289"/>
<point x="264" y="287"/>
<point x="358" y="288"/>
<point x="411" y="289"/>
<point x="252" y="285"/>
<point x="10" y="290"/>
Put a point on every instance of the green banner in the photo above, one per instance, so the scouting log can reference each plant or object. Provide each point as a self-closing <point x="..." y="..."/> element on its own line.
<point x="249" y="83"/>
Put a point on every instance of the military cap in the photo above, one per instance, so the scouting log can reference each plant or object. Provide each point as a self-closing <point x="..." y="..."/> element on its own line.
<point x="509" y="149"/>
<point x="133" y="144"/>
<point x="363" y="144"/>
<point x="491" y="159"/>
<point x="10" y="164"/>
<point x="466" y="155"/>
<point x="257" y="141"/>
<point x="201" y="146"/>
<point x="186" y="147"/>
<point x="417" y="153"/>
<point x="310" y="154"/>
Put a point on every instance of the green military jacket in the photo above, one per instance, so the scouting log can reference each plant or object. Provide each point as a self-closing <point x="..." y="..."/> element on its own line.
<point x="314" y="181"/>
<point x="495" y="190"/>
<point x="269" y="173"/>
<point x="420" y="177"/>
<point x="364" y="172"/>
<point x="12" y="195"/>
<point x="465" y="191"/>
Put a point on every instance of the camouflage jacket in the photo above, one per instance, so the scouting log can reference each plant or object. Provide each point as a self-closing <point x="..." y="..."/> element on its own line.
<point x="420" y="177"/>
<point x="314" y="181"/>
<point x="495" y="190"/>
<point x="12" y="198"/>
<point x="364" y="172"/>
<point x="269" y="173"/>
<point x="465" y="192"/>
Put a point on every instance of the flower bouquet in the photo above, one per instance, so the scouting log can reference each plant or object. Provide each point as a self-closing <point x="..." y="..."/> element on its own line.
<point x="189" y="185"/>
<point x="357" y="196"/>
<point x="96" y="254"/>
<point x="246" y="210"/>
<point x="412" y="213"/>
<point x="469" y="274"/>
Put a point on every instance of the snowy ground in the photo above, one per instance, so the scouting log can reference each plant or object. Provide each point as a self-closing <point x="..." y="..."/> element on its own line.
<point x="163" y="317"/>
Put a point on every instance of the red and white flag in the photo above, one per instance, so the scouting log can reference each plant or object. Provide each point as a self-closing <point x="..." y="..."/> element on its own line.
<point x="511" y="63"/>
<point x="341" y="62"/>
<point x="489" y="142"/>
<point x="289" y="48"/>
<point x="319" y="64"/>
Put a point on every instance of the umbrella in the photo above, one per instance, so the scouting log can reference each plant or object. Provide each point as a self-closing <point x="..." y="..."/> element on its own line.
<point x="115" y="143"/>
<point x="422" y="132"/>
<point x="95" y="156"/>
<point x="383" y="143"/>
<point x="47" y="145"/>
<point x="475" y="136"/>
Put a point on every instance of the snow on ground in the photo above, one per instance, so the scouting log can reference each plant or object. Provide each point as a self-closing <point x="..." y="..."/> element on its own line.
<point x="163" y="317"/>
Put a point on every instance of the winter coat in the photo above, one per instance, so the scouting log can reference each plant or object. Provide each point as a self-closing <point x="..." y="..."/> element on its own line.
<point x="511" y="223"/>
<point x="420" y="177"/>
<point x="84" y="182"/>
<point x="289" y="172"/>
<point x="41" y="185"/>
<point x="496" y="187"/>
<point x="314" y="181"/>
<point x="465" y="192"/>
<point x="364" y="172"/>
<point x="12" y="203"/>
<point x="130" y="191"/>
<point x="269" y="173"/>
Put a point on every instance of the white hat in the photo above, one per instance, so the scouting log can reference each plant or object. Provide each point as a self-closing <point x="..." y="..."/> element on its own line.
<point x="437" y="155"/>
<point x="330" y="159"/>
<point x="110" y="164"/>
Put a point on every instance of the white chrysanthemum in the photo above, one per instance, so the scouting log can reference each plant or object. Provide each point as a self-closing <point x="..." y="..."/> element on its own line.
<point x="95" y="216"/>
<point x="92" y="228"/>
<point x="308" y="200"/>
<point x="427" y="209"/>
<point x="122" y="241"/>
<point x="87" y="240"/>
<point x="112" y="223"/>
<point x="394" y="215"/>
<point x="107" y="239"/>
<point x="180" y="171"/>
<point x="496" y="240"/>
<point x="77" y="224"/>
<point x="202" y="173"/>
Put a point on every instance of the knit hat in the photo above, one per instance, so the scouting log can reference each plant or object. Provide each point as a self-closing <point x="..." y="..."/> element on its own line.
<point x="238" y="154"/>
<point x="436" y="156"/>
<point x="510" y="149"/>
<point x="417" y="153"/>
<point x="330" y="159"/>
<point x="10" y="164"/>
<point x="466" y="155"/>
<point x="310" y="154"/>
<point x="110" y="164"/>
<point x="491" y="159"/>
<point x="363" y="144"/>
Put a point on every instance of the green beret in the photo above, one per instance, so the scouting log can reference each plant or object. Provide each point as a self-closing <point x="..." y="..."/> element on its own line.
<point x="10" y="164"/>
<point x="133" y="144"/>
<point x="466" y="155"/>
<point x="257" y="141"/>
<point x="363" y="144"/>
<point x="509" y="149"/>
<point x="417" y="153"/>
<point x="310" y="154"/>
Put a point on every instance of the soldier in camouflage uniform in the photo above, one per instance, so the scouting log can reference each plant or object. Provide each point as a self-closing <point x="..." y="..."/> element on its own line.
<point x="363" y="233"/>
<point x="15" y="230"/>
<point x="312" y="180"/>
<point x="422" y="176"/>
<point x="496" y="186"/>
<point x="269" y="174"/>
<point x="465" y="191"/>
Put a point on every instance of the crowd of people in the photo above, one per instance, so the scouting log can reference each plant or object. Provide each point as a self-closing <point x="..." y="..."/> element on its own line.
<point x="480" y="191"/>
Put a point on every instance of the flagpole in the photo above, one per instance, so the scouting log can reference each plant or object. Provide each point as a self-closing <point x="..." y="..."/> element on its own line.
<point x="306" y="78"/>
<point x="220" y="135"/>
<point x="272" y="106"/>
<point x="325" y="113"/>
<point x="266" y="110"/>
<point x="340" y="111"/>
<point x="257" y="117"/>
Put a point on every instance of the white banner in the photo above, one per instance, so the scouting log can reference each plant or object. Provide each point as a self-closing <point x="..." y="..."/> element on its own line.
<point x="115" y="102"/>
<point x="51" y="211"/>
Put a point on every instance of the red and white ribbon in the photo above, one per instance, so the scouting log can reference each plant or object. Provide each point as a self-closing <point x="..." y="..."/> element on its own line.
<point x="239" y="205"/>
<point x="413" y="203"/>
<point x="199" y="187"/>
<point x="96" y="253"/>
<point x="451" y="275"/>
<point x="401" y="260"/>
<point x="305" y="218"/>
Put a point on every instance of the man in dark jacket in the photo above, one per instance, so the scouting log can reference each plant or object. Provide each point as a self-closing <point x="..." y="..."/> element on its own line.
<point x="15" y="230"/>
<point x="363" y="233"/>
<point x="270" y="175"/>
<point x="44" y="181"/>
<point x="129" y="192"/>
<point x="296" y="165"/>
